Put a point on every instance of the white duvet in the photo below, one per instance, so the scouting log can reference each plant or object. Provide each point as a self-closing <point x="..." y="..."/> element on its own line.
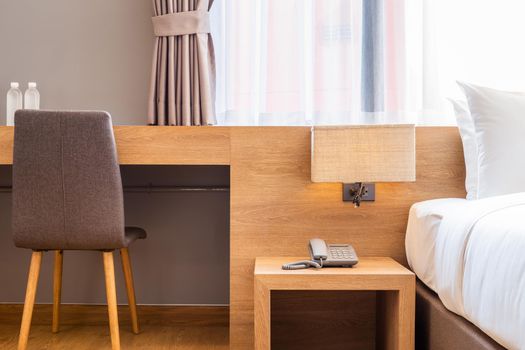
<point x="472" y="254"/>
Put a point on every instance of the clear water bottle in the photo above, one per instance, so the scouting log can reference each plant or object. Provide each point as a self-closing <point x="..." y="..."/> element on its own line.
<point x="13" y="103"/>
<point x="31" y="97"/>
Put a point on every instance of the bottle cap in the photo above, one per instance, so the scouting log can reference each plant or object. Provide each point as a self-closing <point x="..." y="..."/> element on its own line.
<point x="14" y="84"/>
<point x="31" y="84"/>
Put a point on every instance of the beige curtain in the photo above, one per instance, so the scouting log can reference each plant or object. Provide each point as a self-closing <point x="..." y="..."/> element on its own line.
<point x="182" y="90"/>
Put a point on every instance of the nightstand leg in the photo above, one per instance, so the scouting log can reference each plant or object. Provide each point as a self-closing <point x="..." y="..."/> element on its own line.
<point x="407" y="316"/>
<point x="262" y="317"/>
<point x="387" y="320"/>
<point x="395" y="318"/>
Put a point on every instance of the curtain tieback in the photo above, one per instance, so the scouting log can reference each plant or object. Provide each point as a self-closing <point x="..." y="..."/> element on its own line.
<point x="181" y="23"/>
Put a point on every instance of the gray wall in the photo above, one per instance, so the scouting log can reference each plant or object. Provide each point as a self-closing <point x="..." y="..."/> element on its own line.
<point x="93" y="54"/>
<point x="96" y="54"/>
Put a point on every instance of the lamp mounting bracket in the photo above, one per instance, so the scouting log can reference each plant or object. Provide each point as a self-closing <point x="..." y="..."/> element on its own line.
<point x="359" y="191"/>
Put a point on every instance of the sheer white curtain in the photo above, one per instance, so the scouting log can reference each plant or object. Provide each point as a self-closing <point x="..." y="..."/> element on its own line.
<point x="302" y="62"/>
<point x="299" y="62"/>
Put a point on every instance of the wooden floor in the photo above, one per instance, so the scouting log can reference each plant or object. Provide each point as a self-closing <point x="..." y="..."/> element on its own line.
<point x="86" y="327"/>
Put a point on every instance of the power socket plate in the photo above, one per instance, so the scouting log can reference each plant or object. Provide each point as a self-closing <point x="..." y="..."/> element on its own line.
<point x="369" y="196"/>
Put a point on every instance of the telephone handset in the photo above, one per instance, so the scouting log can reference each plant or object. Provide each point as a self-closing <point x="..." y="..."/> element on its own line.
<point x="331" y="255"/>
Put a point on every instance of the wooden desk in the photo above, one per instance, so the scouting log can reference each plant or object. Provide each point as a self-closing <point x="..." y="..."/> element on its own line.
<point x="275" y="208"/>
<point x="396" y="297"/>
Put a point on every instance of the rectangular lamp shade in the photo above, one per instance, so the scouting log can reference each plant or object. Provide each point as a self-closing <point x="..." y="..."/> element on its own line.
<point x="363" y="153"/>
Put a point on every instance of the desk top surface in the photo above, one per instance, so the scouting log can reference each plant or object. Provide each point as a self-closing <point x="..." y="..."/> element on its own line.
<point x="159" y="145"/>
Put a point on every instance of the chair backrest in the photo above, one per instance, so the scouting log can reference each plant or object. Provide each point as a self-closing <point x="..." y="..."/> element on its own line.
<point x="67" y="190"/>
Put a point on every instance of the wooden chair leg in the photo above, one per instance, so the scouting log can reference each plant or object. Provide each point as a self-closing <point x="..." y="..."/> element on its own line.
<point x="57" y="289"/>
<point x="128" y="276"/>
<point x="32" y="284"/>
<point x="109" y="272"/>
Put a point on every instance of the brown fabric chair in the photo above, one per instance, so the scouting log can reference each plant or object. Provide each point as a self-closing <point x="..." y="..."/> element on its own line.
<point x="67" y="195"/>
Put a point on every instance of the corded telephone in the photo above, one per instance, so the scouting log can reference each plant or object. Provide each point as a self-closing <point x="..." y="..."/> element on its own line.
<point x="333" y="255"/>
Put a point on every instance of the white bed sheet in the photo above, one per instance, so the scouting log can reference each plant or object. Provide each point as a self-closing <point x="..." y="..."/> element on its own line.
<point x="472" y="254"/>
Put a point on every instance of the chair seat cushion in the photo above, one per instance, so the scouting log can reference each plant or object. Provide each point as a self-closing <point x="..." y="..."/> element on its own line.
<point x="133" y="233"/>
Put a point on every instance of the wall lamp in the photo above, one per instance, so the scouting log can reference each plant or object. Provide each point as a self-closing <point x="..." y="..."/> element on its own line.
<point x="360" y="155"/>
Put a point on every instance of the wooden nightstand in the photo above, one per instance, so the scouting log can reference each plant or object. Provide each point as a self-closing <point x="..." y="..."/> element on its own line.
<point x="395" y="286"/>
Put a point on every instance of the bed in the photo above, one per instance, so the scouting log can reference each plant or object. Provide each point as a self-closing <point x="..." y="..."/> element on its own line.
<point x="470" y="259"/>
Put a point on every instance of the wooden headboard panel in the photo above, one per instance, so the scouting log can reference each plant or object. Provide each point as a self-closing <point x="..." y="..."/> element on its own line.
<point x="275" y="208"/>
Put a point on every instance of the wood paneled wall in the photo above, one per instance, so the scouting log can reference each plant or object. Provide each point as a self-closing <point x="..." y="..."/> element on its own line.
<point x="275" y="208"/>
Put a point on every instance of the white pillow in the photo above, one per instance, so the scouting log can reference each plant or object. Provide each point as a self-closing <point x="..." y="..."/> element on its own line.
<point x="499" y="121"/>
<point x="470" y="148"/>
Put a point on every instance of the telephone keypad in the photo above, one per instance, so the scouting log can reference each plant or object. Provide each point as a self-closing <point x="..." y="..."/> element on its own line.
<point x="340" y="253"/>
<point x="336" y="255"/>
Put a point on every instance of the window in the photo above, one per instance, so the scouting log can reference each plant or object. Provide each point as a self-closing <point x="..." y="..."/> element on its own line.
<point x="302" y="62"/>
